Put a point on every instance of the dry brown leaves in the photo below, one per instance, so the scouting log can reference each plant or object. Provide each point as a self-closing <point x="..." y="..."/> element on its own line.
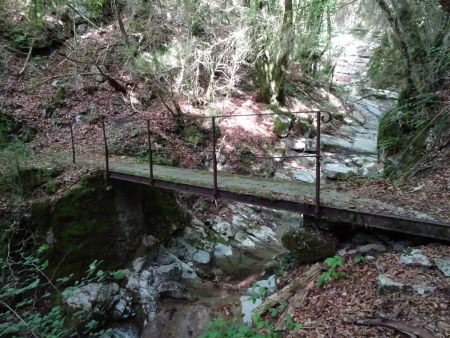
<point x="429" y="194"/>
<point x="331" y="311"/>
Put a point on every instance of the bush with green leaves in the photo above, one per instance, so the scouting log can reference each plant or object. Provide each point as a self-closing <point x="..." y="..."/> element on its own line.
<point x="257" y="292"/>
<point x="30" y="298"/>
<point x="259" y="328"/>
<point x="413" y="59"/>
<point x="332" y="264"/>
<point x="359" y="259"/>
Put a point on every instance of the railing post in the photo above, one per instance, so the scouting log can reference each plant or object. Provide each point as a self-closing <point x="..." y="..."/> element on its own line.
<point x="317" y="206"/>
<point x="106" y="148"/>
<point x="72" y="139"/>
<point x="150" y="152"/>
<point x="216" y="190"/>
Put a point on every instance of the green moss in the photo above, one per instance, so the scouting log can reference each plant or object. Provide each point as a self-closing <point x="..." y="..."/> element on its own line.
<point x="309" y="245"/>
<point x="162" y="213"/>
<point x="59" y="95"/>
<point x="12" y="130"/>
<point x="282" y="125"/>
<point x="386" y="67"/>
<point x="52" y="187"/>
<point x="193" y="135"/>
<point x="40" y="216"/>
<point x="246" y="157"/>
<point x="304" y="126"/>
<point x="91" y="223"/>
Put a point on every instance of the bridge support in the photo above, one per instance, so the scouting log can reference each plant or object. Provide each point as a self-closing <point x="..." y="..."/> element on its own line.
<point x="150" y="152"/>
<point x="106" y="148"/>
<point x="317" y="209"/>
<point x="214" y="158"/>
<point x="72" y="139"/>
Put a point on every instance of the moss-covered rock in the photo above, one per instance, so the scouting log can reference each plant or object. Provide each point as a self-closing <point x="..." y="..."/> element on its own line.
<point x="193" y="135"/>
<point x="12" y="130"/>
<point x="31" y="178"/>
<point x="282" y="125"/>
<point x="96" y="221"/>
<point x="304" y="127"/>
<point x="308" y="245"/>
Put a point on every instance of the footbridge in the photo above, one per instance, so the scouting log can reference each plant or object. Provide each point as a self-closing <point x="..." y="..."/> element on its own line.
<point x="324" y="203"/>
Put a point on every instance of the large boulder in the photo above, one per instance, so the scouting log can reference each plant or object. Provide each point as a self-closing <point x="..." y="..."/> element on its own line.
<point x="282" y="125"/>
<point x="308" y="245"/>
<point x="99" y="299"/>
<point x="52" y="31"/>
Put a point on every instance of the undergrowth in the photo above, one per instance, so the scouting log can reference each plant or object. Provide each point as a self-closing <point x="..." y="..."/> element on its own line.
<point x="30" y="299"/>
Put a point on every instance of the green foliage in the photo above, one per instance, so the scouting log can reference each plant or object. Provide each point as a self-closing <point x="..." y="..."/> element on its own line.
<point x="94" y="6"/>
<point x="282" y="125"/>
<point x="259" y="328"/>
<point x="359" y="259"/>
<point x="12" y="131"/>
<point x="246" y="156"/>
<point x="118" y="275"/>
<point x="27" y="297"/>
<point x="221" y="328"/>
<point x="414" y="59"/>
<point x="11" y="156"/>
<point x="332" y="263"/>
<point x="386" y="65"/>
<point x="257" y="292"/>
<point x="193" y="135"/>
<point x="291" y="324"/>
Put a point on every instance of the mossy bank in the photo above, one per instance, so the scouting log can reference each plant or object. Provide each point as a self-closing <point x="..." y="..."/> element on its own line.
<point x="108" y="221"/>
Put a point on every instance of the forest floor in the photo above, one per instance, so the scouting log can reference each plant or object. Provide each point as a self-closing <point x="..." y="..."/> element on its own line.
<point x="332" y="310"/>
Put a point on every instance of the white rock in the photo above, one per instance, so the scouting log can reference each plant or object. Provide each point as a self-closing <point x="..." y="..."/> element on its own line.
<point x="138" y="264"/>
<point x="122" y="331"/>
<point x="332" y="170"/>
<point x="415" y="258"/>
<point x="187" y="272"/>
<point x="243" y="240"/>
<point x="221" y="250"/>
<point x="304" y="175"/>
<point x="387" y="285"/>
<point x="202" y="257"/>
<point x="424" y="289"/>
<point x="224" y="229"/>
<point x="94" y="297"/>
<point x="372" y="249"/>
<point x="297" y="144"/>
<point x="443" y="264"/>
<point x="123" y="307"/>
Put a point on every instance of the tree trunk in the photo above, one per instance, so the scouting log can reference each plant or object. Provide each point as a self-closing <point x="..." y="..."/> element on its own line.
<point x="445" y="5"/>
<point x="272" y="70"/>
<point x="410" y="89"/>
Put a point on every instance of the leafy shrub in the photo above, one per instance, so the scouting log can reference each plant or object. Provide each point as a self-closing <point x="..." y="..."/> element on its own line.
<point x="257" y="292"/>
<point x="359" y="260"/>
<point x="332" y="263"/>
<point x="27" y="297"/>
<point x="222" y="328"/>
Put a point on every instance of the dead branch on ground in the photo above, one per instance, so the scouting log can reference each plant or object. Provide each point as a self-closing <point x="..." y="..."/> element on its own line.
<point x="400" y="326"/>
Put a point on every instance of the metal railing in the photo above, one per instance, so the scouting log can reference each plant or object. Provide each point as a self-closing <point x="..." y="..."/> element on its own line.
<point x="321" y="117"/>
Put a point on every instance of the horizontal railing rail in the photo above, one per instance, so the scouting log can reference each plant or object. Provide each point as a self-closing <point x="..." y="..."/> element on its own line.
<point x="320" y="116"/>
